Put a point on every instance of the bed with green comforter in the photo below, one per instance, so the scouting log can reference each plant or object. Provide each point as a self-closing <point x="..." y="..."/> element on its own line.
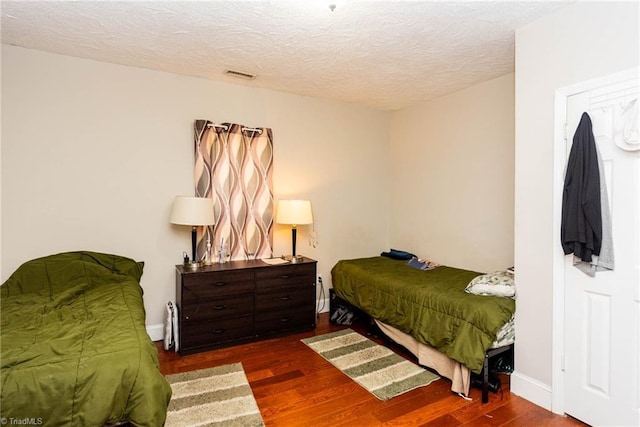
<point x="74" y="347"/>
<point x="431" y="306"/>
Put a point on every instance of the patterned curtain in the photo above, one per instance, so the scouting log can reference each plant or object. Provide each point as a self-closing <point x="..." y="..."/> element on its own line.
<point x="234" y="166"/>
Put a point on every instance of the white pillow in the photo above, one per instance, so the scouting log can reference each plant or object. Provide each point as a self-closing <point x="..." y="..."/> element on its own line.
<point x="499" y="284"/>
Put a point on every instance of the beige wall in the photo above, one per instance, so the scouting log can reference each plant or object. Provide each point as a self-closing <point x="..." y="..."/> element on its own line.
<point x="93" y="154"/>
<point x="580" y="42"/>
<point x="452" y="174"/>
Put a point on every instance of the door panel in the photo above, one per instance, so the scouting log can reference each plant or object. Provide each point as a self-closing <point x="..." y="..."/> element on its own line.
<point x="598" y="328"/>
<point x="602" y="318"/>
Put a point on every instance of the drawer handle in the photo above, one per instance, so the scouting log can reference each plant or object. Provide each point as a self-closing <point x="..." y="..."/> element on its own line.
<point x="287" y="298"/>
<point x="284" y="319"/>
<point x="285" y="276"/>
<point x="221" y="307"/>
<point x="218" y="331"/>
<point x="220" y="284"/>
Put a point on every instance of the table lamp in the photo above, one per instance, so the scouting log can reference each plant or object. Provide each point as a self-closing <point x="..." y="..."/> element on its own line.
<point x="294" y="212"/>
<point x="193" y="211"/>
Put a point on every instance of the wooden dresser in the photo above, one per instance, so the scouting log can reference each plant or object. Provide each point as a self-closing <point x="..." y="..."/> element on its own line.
<point x="240" y="301"/>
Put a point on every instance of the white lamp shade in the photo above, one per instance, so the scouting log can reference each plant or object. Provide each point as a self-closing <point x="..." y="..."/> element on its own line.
<point x="192" y="211"/>
<point x="295" y="212"/>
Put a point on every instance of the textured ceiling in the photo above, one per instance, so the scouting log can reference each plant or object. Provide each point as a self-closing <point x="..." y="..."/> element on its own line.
<point x="382" y="54"/>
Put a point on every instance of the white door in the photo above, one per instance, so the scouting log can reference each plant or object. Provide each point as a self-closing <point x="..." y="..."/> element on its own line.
<point x="602" y="313"/>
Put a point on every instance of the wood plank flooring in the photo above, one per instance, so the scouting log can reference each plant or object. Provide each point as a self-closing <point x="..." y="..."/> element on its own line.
<point x="294" y="386"/>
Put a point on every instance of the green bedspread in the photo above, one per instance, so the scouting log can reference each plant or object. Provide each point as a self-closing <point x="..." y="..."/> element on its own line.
<point x="74" y="348"/>
<point x="431" y="306"/>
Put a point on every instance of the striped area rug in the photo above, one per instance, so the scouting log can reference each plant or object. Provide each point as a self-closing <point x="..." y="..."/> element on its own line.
<point x="219" y="396"/>
<point x="376" y="368"/>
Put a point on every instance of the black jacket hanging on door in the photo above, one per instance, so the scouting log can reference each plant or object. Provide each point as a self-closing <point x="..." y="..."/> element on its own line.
<point x="581" y="229"/>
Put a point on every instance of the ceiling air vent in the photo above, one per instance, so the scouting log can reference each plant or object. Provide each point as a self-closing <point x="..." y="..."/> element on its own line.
<point x="240" y="74"/>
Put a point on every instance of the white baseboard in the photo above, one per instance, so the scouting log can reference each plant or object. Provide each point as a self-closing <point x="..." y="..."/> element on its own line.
<point x="531" y="389"/>
<point x="156" y="332"/>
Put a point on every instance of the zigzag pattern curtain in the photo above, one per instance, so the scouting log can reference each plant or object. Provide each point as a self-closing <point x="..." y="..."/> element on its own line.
<point x="234" y="166"/>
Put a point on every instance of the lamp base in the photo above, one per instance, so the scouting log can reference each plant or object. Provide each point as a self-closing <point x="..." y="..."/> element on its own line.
<point x="293" y="258"/>
<point x="193" y="265"/>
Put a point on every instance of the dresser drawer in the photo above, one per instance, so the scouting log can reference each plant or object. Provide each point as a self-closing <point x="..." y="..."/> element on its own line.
<point x="199" y="286"/>
<point x="277" y="321"/>
<point x="273" y="277"/>
<point x="288" y="298"/>
<point x="218" y="308"/>
<point x="213" y="332"/>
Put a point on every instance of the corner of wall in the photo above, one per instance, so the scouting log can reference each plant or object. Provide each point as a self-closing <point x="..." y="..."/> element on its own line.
<point x="531" y="389"/>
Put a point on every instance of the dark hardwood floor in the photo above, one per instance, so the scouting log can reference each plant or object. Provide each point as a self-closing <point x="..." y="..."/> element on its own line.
<point x="296" y="387"/>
